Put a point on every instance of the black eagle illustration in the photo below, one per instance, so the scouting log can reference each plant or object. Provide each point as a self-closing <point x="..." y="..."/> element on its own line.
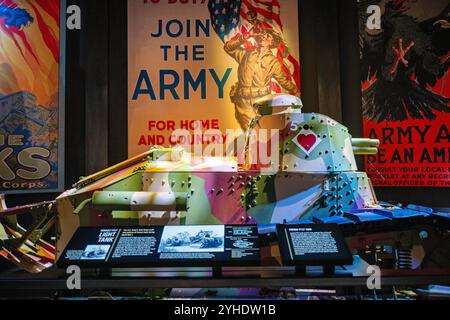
<point x="407" y="57"/>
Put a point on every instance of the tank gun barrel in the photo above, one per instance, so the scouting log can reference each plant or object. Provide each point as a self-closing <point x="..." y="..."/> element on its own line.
<point x="365" y="143"/>
<point x="365" y="146"/>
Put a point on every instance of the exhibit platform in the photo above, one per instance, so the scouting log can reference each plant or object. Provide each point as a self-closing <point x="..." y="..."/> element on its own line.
<point x="261" y="281"/>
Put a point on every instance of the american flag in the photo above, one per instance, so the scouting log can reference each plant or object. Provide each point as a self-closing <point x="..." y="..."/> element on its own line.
<point x="231" y="18"/>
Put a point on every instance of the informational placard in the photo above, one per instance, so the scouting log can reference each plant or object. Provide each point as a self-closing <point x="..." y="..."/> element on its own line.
<point x="406" y="89"/>
<point x="199" y="65"/>
<point x="313" y="245"/>
<point x="31" y="99"/>
<point x="207" y="245"/>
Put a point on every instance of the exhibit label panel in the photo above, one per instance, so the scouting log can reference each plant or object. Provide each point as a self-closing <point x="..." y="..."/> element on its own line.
<point x="405" y="91"/>
<point x="322" y="244"/>
<point x="30" y="103"/>
<point x="199" y="66"/>
<point x="194" y="245"/>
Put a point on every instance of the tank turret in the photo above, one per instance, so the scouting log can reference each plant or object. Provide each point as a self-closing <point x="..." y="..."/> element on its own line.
<point x="311" y="142"/>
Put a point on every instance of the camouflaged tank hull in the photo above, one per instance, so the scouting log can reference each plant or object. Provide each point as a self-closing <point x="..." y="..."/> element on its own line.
<point x="315" y="176"/>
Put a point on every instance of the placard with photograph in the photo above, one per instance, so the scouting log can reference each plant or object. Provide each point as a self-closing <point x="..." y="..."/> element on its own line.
<point x="171" y="246"/>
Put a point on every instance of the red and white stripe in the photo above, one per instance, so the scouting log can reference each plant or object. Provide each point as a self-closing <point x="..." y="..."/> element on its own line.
<point x="268" y="11"/>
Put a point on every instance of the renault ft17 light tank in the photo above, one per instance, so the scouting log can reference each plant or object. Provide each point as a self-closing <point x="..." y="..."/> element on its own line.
<point x="316" y="179"/>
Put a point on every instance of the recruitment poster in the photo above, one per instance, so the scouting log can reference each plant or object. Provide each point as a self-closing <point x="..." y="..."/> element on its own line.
<point x="405" y="62"/>
<point x="30" y="108"/>
<point x="192" y="66"/>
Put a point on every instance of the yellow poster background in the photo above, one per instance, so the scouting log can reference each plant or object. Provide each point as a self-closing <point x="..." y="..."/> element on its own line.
<point x="145" y="54"/>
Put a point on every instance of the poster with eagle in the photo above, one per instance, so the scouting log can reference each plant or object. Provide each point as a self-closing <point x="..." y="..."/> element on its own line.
<point x="405" y="60"/>
<point x="30" y="96"/>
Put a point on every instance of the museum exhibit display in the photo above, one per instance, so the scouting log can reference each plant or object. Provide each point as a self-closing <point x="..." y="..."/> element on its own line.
<point x="242" y="149"/>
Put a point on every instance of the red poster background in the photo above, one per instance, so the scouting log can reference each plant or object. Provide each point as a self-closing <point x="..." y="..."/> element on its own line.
<point x="413" y="152"/>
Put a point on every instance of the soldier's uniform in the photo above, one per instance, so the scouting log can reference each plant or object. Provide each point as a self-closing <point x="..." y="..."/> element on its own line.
<point x="254" y="76"/>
